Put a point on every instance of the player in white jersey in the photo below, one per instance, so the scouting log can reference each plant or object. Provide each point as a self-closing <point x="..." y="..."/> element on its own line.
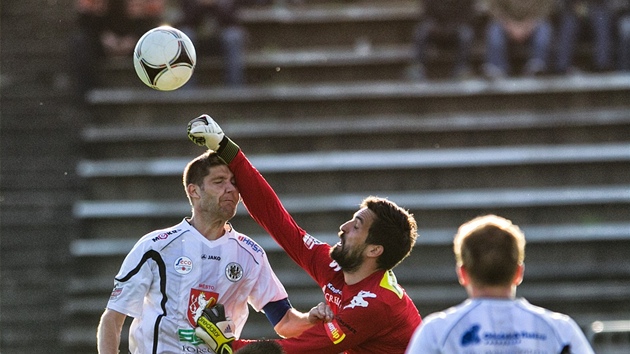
<point x="490" y="252"/>
<point x="171" y="275"/>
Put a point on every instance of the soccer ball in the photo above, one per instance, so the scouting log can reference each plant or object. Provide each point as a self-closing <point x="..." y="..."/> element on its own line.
<point x="164" y="58"/>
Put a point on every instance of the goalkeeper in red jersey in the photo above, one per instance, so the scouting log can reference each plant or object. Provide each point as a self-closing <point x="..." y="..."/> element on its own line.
<point x="372" y="312"/>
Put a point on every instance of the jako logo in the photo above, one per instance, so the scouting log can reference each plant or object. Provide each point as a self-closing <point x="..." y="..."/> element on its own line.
<point x="471" y="336"/>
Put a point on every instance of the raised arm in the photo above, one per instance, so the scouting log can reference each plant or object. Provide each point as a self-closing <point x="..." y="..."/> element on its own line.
<point x="259" y="198"/>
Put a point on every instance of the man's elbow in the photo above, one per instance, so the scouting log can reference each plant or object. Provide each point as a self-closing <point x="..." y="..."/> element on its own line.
<point x="284" y="329"/>
<point x="292" y="324"/>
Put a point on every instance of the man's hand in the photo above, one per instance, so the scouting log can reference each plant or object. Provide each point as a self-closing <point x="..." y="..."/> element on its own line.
<point x="320" y="313"/>
<point x="215" y="329"/>
<point x="204" y="131"/>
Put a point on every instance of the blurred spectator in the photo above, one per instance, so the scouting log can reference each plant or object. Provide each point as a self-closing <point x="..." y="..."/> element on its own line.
<point x="576" y="15"/>
<point x="623" y="31"/>
<point x="515" y="24"/>
<point x="444" y="21"/>
<point x="214" y="24"/>
<point x="108" y="28"/>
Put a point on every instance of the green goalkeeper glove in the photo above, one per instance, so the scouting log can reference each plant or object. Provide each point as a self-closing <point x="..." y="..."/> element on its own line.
<point x="216" y="330"/>
<point x="204" y="131"/>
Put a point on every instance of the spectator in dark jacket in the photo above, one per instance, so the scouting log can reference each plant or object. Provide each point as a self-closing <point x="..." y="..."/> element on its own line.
<point x="443" y="21"/>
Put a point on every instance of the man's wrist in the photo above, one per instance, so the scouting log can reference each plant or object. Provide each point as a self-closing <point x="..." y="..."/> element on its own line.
<point x="227" y="149"/>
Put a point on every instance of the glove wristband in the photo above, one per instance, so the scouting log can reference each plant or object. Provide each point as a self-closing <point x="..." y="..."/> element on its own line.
<point x="227" y="149"/>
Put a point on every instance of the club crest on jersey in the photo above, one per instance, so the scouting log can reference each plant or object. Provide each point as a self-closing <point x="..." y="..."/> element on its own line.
<point x="198" y="300"/>
<point x="234" y="272"/>
<point x="359" y="299"/>
<point x="183" y="265"/>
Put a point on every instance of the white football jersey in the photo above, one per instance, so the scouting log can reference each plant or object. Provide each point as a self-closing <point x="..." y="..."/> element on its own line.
<point x="498" y="326"/>
<point x="171" y="275"/>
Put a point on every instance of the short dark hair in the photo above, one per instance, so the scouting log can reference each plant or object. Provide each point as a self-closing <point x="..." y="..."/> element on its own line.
<point x="490" y="248"/>
<point x="394" y="228"/>
<point x="197" y="169"/>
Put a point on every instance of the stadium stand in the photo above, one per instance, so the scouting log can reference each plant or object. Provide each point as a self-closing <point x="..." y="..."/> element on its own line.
<point x="335" y="113"/>
<point x="329" y="118"/>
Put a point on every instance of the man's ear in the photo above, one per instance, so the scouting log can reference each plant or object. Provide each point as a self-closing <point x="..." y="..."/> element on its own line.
<point x="374" y="250"/>
<point x="518" y="277"/>
<point x="193" y="191"/>
<point x="462" y="275"/>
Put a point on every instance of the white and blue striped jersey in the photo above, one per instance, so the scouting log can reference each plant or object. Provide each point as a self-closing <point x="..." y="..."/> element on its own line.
<point x="498" y="326"/>
<point x="171" y="275"/>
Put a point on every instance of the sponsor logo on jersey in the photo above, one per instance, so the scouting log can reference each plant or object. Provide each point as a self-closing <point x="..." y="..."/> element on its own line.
<point x="183" y="265"/>
<point x="198" y="300"/>
<point x="188" y="335"/>
<point x="164" y="235"/>
<point x="234" y="272"/>
<point x="332" y="289"/>
<point x="251" y="244"/>
<point x="332" y="295"/>
<point x="118" y="289"/>
<point x="210" y="257"/>
<point x="359" y="299"/>
<point x="473" y="336"/>
<point x="197" y="350"/>
<point x="332" y="300"/>
<point x="310" y="241"/>
<point x="334" y="332"/>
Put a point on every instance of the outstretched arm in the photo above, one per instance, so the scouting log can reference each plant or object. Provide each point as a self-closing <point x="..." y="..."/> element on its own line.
<point x="261" y="200"/>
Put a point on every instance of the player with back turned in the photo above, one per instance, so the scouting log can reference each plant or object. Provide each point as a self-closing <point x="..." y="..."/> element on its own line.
<point x="372" y="312"/>
<point x="490" y="251"/>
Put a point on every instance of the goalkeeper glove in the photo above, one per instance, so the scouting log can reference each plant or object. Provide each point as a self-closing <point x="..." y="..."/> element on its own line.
<point x="204" y="131"/>
<point x="216" y="330"/>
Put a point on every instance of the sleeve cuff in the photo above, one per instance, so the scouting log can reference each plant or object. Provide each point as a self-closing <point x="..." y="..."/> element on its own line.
<point x="227" y="149"/>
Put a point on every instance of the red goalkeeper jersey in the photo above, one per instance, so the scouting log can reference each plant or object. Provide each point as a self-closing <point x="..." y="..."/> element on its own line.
<point x="373" y="316"/>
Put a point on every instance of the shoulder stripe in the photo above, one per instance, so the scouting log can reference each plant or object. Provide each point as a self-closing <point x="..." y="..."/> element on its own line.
<point x="157" y="258"/>
<point x="250" y="250"/>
